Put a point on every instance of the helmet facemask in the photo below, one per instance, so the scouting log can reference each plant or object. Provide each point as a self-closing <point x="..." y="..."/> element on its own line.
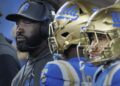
<point x="104" y="46"/>
<point x="99" y="43"/>
<point x="51" y="39"/>
<point x="104" y="37"/>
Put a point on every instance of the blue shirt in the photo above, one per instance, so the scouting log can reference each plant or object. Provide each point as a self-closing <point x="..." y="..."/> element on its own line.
<point x="110" y="76"/>
<point x="67" y="73"/>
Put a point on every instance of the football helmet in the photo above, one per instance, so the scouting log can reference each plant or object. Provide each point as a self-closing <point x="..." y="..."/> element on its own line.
<point x="64" y="31"/>
<point x="104" y="35"/>
<point x="100" y="3"/>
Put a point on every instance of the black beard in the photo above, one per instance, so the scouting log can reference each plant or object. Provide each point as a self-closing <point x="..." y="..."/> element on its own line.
<point x="22" y="46"/>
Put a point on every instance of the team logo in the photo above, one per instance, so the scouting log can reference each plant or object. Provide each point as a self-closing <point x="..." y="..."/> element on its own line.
<point x="24" y="7"/>
<point x="69" y="13"/>
<point x="116" y="19"/>
<point x="95" y="9"/>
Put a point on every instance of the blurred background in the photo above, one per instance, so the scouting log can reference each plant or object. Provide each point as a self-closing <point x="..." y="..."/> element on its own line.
<point x="7" y="7"/>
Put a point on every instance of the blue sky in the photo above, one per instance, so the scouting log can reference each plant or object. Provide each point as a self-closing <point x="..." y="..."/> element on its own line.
<point x="7" y="7"/>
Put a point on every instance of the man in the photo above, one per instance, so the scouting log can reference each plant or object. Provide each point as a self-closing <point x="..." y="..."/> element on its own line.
<point x="104" y="49"/>
<point x="65" y="41"/>
<point x="32" y="22"/>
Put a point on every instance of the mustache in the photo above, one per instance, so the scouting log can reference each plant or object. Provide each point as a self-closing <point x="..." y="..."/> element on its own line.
<point x="19" y="36"/>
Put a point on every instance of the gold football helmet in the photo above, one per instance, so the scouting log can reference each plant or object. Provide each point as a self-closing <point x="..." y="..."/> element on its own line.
<point x="64" y="31"/>
<point x="98" y="3"/>
<point x="104" y="35"/>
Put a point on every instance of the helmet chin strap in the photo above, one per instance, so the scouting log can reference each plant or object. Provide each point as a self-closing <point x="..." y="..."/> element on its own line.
<point x="85" y="81"/>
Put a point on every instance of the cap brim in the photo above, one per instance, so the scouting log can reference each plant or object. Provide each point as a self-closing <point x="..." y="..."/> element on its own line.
<point x="14" y="17"/>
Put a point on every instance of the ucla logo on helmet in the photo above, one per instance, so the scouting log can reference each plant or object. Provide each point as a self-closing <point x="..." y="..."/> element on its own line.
<point x="69" y="13"/>
<point x="95" y="9"/>
<point x="116" y="19"/>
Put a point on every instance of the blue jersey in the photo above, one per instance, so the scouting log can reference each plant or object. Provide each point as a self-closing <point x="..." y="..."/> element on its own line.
<point x="108" y="77"/>
<point x="66" y="73"/>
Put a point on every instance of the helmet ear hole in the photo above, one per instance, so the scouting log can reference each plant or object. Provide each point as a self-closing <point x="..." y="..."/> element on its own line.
<point x="90" y="36"/>
<point x="65" y="34"/>
<point x="81" y="12"/>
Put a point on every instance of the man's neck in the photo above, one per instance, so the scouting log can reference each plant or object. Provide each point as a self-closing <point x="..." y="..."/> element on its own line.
<point x="72" y="52"/>
<point x="36" y="52"/>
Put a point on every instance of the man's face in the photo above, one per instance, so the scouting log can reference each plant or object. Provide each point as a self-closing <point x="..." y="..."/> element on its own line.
<point x="27" y="34"/>
<point x="98" y="45"/>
